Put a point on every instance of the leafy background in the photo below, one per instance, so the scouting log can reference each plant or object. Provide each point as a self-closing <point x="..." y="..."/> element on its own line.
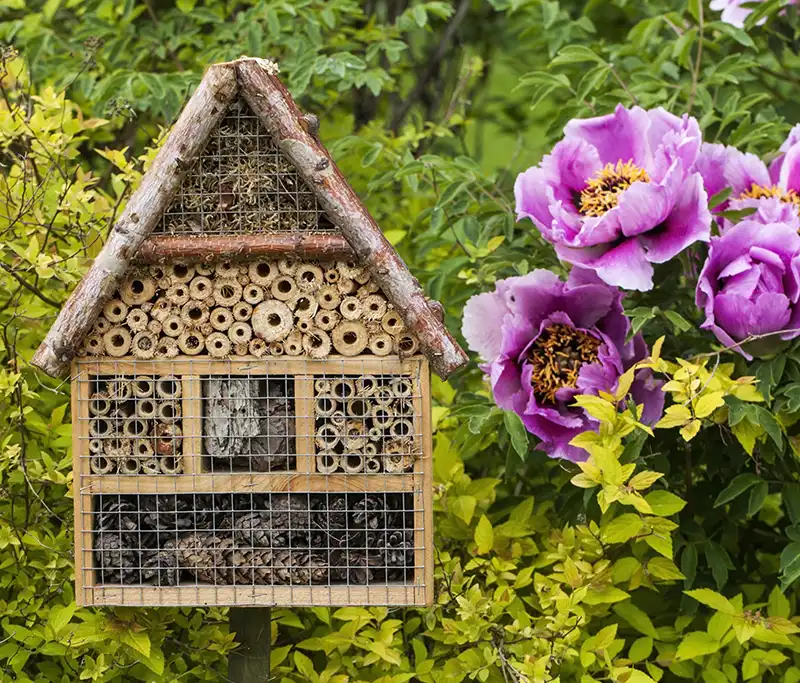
<point x="431" y="109"/>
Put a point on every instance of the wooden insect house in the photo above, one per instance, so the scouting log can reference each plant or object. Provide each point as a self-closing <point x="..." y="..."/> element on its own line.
<point x="250" y="376"/>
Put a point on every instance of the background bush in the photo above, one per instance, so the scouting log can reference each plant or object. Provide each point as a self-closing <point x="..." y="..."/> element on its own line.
<point x="431" y="108"/>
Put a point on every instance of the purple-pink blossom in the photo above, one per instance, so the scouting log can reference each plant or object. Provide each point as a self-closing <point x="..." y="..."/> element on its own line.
<point x="545" y="341"/>
<point x="619" y="193"/>
<point x="733" y="11"/>
<point x="750" y="286"/>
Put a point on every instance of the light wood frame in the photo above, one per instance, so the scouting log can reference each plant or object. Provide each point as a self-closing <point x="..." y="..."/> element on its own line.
<point x="302" y="479"/>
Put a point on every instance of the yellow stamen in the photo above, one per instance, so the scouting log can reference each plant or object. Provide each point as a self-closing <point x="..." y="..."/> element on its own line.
<point x="604" y="188"/>
<point x="761" y="192"/>
<point x="556" y="358"/>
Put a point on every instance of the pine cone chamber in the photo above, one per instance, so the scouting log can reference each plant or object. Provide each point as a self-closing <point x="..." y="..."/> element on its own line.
<point x="256" y="539"/>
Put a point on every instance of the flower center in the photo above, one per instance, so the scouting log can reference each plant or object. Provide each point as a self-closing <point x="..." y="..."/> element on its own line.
<point x="761" y="192"/>
<point x="604" y="187"/>
<point x="556" y="357"/>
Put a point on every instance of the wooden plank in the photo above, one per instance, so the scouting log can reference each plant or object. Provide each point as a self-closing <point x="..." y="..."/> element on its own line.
<point x="192" y="409"/>
<point x="84" y="565"/>
<point x="289" y="596"/>
<point x="256" y="482"/>
<point x="427" y="484"/>
<point x="203" y="365"/>
<point x="304" y="423"/>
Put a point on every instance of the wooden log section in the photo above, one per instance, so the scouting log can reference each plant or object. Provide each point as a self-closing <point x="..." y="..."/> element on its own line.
<point x="164" y="248"/>
<point x="144" y="209"/>
<point x="270" y="100"/>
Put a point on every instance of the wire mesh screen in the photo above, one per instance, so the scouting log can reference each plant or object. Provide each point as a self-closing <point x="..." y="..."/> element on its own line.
<point x="287" y="474"/>
<point x="242" y="183"/>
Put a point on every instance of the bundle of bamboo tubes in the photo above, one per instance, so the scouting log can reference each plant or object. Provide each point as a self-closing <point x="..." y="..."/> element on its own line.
<point x="265" y="307"/>
<point x="365" y="424"/>
<point x="135" y="426"/>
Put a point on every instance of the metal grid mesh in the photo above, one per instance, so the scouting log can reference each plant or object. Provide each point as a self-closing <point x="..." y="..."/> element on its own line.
<point x="243" y="184"/>
<point x="249" y="432"/>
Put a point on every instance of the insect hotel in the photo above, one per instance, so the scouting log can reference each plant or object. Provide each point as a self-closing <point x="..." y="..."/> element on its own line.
<point x="250" y="364"/>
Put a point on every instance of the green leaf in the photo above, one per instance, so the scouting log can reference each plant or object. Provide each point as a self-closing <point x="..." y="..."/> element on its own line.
<point x="305" y="666"/>
<point x="640" y="649"/>
<point x="636" y="618"/>
<point x="516" y="430"/>
<point x="664" y="503"/>
<point x="712" y="599"/>
<point x="622" y="528"/>
<point x="463" y="507"/>
<point x="757" y="497"/>
<point x="791" y="501"/>
<point x="664" y="569"/>
<point x="790" y="565"/>
<point x="767" y="420"/>
<point x="689" y="565"/>
<point x="574" y="54"/>
<point x="484" y="536"/>
<point x="719" y="198"/>
<point x="720" y="563"/>
<point x="697" y="644"/>
<point x="737" y="487"/>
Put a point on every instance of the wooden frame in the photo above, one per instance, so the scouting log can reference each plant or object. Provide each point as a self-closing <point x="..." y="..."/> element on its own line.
<point x="303" y="479"/>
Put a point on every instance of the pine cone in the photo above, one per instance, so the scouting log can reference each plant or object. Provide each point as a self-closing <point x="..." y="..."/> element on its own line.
<point x="167" y="513"/>
<point x="353" y="567"/>
<point x="299" y="567"/>
<point x="369" y="512"/>
<point x="286" y="522"/>
<point x="118" y="514"/>
<point x="392" y="548"/>
<point x="116" y="557"/>
<point x="161" y="566"/>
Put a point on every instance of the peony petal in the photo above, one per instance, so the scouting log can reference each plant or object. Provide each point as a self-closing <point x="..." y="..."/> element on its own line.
<point x="625" y="265"/>
<point x="532" y="200"/>
<point x="621" y="136"/>
<point x="482" y="325"/>
<point x="742" y="171"/>
<point x="790" y="169"/>
<point x="534" y="296"/>
<point x="771" y="313"/>
<point x="734" y="314"/>
<point x="643" y="206"/>
<point x="710" y="165"/>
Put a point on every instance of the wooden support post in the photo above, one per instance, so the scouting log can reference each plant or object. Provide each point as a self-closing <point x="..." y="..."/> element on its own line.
<point x="249" y="663"/>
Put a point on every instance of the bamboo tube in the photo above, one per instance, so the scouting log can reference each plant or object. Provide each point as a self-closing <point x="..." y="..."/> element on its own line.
<point x="169" y="411"/>
<point x="287" y="266"/>
<point x="272" y="321"/>
<point x="137" y="320"/>
<point x="328" y="463"/>
<point x="346" y="286"/>
<point x="134" y="427"/>
<point x="325" y="405"/>
<point x="94" y="345"/>
<point x="154" y="326"/>
<point x="327" y="320"/>
<point x="117" y="342"/>
<point x="227" y="291"/>
<point x="144" y="344"/>
<point x="200" y="288"/>
<point x="180" y="273"/>
<point x="382" y="416"/>
<point x="100" y="464"/>
<point x="161" y="308"/>
<point x="169" y="387"/>
<point x="358" y="407"/>
<point x="167" y="438"/>
<point x="343" y="389"/>
<point x="402" y="428"/>
<point x="392" y="323"/>
<point x="328" y="297"/>
<point x="316" y="343"/>
<point x="240" y="333"/>
<point x="384" y="396"/>
<point x="156" y="271"/>
<point x="258" y="347"/>
<point x="164" y="283"/>
<point x="95" y="446"/>
<point x="194" y="313"/>
<point x="303" y="326"/>
<point x="227" y="270"/>
<point x="191" y="343"/>
<point x="372" y="465"/>
<point x="115" y="311"/>
<point x="146" y="408"/>
<point x="147" y="306"/>
<point x="370" y="287"/>
<point x="137" y="289"/>
<point x="262" y="272"/>
<point x="129" y="466"/>
<point x="396" y="463"/>
<point x="406" y="344"/>
<point x="101" y="325"/>
<point x="350" y="308"/>
<point x="149" y="466"/>
<point x="366" y="386"/>
<point x="206" y="328"/>
<point x="293" y="344"/>
<point x="327" y="437"/>
<point x="211" y="302"/>
<point x="221" y="319"/>
<point x="242" y="311"/>
<point x="253" y="294"/>
<point x="322" y="386"/>
<point x="283" y="288"/>
<point x="350" y="338"/>
<point x="240" y="349"/>
<point x="355" y="435"/>
<point x="218" y="345"/>
<point x="353" y="463"/>
<point x="117" y="449"/>
<point x="401" y="387"/>
<point x="304" y="305"/>
<point x="375" y="433"/>
<point x="403" y="408"/>
<point x="143" y="448"/>
<point x="99" y="404"/>
<point x="170" y="464"/>
<point x="178" y="295"/>
<point x="381" y="344"/>
<point x="349" y="269"/>
<point x="119" y="389"/>
<point x="275" y="348"/>
<point x="370" y="448"/>
<point x="167" y="347"/>
<point x="331" y="276"/>
<point x="338" y="418"/>
<point x="308" y="277"/>
<point x="374" y="307"/>
<point x="204" y="269"/>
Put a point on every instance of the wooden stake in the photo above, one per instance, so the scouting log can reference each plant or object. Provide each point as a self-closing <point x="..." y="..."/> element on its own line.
<point x="249" y="663"/>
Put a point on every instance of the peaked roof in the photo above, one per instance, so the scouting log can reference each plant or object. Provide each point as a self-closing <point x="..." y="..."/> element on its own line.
<point x="295" y="136"/>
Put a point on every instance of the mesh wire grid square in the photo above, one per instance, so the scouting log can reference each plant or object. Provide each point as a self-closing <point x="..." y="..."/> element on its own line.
<point x="242" y="183"/>
<point x="242" y="433"/>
